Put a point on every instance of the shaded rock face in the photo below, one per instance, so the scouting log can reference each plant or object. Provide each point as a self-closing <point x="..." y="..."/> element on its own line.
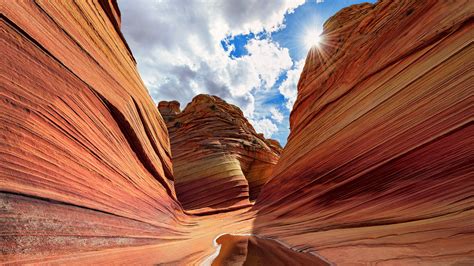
<point x="378" y="165"/>
<point x="85" y="156"/>
<point x="169" y="110"/>
<point x="219" y="160"/>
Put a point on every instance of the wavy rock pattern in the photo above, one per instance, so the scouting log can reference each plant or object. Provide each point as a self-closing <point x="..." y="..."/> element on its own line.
<point x="219" y="160"/>
<point x="378" y="166"/>
<point x="85" y="156"/>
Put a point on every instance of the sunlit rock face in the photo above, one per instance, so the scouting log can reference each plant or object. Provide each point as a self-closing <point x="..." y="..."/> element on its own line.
<point x="85" y="155"/>
<point x="219" y="160"/>
<point x="378" y="165"/>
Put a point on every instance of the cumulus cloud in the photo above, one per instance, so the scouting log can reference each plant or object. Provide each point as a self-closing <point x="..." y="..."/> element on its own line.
<point x="289" y="87"/>
<point x="276" y="115"/>
<point x="177" y="44"/>
<point x="267" y="60"/>
<point x="254" y="15"/>
<point x="265" y="126"/>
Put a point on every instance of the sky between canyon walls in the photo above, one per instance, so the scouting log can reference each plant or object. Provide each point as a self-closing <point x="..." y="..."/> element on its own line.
<point x="248" y="52"/>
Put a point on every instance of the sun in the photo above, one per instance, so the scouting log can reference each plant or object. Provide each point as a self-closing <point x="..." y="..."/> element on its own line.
<point x="312" y="38"/>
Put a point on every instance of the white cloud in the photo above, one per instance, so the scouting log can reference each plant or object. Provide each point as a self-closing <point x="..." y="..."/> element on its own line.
<point x="179" y="54"/>
<point x="253" y="15"/>
<point x="276" y="115"/>
<point x="267" y="59"/>
<point x="265" y="126"/>
<point x="177" y="44"/>
<point x="289" y="87"/>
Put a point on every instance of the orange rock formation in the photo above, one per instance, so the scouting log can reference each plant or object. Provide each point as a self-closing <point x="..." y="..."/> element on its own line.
<point x="84" y="155"/>
<point x="378" y="166"/>
<point x="219" y="160"/>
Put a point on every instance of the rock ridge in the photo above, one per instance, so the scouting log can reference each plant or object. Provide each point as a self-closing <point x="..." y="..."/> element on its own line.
<point x="378" y="156"/>
<point x="85" y="156"/>
<point x="214" y="147"/>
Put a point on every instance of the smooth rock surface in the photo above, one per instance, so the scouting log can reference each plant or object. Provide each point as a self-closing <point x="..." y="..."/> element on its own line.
<point x="378" y="166"/>
<point x="219" y="160"/>
<point x="84" y="154"/>
<point x="252" y="250"/>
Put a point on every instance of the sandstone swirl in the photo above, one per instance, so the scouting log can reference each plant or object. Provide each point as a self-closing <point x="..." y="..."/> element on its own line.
<point x="219" y="160"/>
<point x="379" y="163"/>
<point x="85" y="156"/>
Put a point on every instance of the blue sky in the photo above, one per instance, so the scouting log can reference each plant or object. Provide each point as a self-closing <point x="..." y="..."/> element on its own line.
<point x="248" y="52"/>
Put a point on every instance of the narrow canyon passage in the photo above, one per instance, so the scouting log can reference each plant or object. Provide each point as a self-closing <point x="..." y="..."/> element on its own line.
<point x="377" y="168"/>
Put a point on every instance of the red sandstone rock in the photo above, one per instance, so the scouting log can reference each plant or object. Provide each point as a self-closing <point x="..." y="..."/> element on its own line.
<point x="378" y="166"/>
<point x="219" y="160"/>
<point x="169" y="110"/>
<point x="84" y="154"/>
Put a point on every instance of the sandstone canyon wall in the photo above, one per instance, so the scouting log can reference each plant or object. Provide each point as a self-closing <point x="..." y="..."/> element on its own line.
<point x="85" y="156"/>
<point x="379" y="163"/>
<point x="219" y="160"/>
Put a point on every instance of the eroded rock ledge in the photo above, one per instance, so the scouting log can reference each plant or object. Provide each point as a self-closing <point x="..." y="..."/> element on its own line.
<point x="219" y="160"/>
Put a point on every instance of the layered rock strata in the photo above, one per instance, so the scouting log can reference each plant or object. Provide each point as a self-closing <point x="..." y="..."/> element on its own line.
<point x="378" y="166"/>
<point x="219" y="160"/>
<point x="85" y="156"/>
